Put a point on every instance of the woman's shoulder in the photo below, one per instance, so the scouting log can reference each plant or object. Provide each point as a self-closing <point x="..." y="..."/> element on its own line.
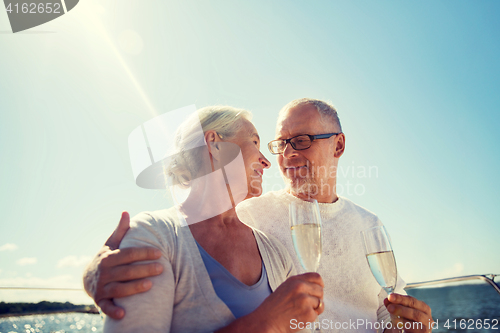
<point x="271" y="244"/>
<point x="159" y="218"/>
<point x="276" y="258"/>
<point x="264" y="237"/>
<point x="155" y="228"/>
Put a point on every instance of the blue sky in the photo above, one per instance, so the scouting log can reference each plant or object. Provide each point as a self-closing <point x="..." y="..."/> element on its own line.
<point x="414" y="84"/>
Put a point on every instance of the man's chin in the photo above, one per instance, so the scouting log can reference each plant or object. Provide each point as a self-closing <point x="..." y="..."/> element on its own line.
<point x="303" y="187"/>
<point x="298" y="173"/>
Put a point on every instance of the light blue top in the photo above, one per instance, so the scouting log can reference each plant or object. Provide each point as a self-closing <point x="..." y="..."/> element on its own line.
<point x="239" y="298"/>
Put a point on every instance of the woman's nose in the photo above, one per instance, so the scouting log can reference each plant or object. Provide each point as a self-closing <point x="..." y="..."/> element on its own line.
<point x="264" y="161"/>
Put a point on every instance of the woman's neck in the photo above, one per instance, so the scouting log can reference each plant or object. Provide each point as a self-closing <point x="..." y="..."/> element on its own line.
<point x="226" y="219"/>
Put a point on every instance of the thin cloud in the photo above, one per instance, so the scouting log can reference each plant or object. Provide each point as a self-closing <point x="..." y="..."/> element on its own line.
<point x="73" y="261"/>
<point x="456" y="270"/>
<point x="26" y="261"/>
<point x="34" y="296"/>
<point x="58" y="281"/>
<point x="8" y="247"/>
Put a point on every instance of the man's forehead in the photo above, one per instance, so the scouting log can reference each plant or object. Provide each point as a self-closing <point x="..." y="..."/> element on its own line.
<point x="304" y="120"/>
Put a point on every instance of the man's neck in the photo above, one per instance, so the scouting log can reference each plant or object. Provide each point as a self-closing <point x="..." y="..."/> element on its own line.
<point x="321" y="198"/>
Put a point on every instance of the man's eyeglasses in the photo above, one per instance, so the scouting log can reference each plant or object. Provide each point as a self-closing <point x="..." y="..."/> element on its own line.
<point x="299" y="142"/>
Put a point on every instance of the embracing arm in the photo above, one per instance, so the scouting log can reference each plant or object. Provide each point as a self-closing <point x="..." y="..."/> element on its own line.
<point x="150" y="311"/>
<point x="110" y="274"/>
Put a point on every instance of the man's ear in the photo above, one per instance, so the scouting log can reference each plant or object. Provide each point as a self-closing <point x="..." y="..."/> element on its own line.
<point x="212" y="140"/>
<point x="339" y="145"/>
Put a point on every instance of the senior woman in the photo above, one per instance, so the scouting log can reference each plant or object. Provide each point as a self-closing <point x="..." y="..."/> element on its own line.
<point x="219" y="274"/>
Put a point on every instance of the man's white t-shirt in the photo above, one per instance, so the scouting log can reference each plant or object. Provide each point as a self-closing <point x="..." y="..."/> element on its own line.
<point x="353" y="298"/>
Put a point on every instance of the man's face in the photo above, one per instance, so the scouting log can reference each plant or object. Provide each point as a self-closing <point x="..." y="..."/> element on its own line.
<point x="310" y="172"/>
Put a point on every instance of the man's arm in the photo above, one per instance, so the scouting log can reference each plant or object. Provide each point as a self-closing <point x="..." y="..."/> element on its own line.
<point x="110" y="275"/>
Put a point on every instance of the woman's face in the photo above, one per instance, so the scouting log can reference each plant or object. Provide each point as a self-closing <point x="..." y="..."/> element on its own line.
<point x="249" y="142"/>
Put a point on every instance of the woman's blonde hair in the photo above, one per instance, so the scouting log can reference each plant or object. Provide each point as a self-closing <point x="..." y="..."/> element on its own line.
<point x="189" y="147"/>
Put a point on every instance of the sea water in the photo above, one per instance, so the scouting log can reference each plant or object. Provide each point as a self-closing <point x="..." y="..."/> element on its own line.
<point x="462" y="308"/>
<point x="53" y="323"/>
<point x="454" y="304"/>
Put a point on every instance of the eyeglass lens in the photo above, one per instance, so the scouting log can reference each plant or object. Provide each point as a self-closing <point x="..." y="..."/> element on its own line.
<point x="299" y="142"/>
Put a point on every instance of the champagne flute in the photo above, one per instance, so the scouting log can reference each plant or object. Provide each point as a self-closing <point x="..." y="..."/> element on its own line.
<point x="380" y="257"/>
<point x="305" y="224"/>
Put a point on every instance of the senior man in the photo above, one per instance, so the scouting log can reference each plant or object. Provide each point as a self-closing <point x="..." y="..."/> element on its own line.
<point x="309" y="142"/>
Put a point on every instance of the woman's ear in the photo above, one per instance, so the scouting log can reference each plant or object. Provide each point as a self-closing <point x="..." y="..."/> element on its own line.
<point x="212" y="139"/>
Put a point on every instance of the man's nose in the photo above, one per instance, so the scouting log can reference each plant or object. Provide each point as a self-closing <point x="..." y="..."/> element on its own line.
<point x="289" y="151"/>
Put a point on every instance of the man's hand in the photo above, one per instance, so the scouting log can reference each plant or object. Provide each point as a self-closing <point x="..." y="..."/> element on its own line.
<point x="110" y="274"/>
<point x="414" y="315"/>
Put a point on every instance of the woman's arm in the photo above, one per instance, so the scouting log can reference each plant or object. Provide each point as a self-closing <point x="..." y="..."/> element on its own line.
<point x="295" y="303"/>
<point x="150" y="311"/>
<point x="109" y="274"/>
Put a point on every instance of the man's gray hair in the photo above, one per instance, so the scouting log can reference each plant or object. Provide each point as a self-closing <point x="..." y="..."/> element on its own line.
<point x="186" y="162"/>
<point x="325" y="109"/>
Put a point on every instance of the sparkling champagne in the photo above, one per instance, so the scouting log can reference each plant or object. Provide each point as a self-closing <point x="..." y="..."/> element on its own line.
<point x="383" y="267"/>
<point x="307" y="242"/>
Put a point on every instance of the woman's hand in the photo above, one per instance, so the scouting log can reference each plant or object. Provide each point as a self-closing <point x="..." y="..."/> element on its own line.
<point x="298" y="300"/>
<point x="293" y="304"/>
<point x="110" y="274"/>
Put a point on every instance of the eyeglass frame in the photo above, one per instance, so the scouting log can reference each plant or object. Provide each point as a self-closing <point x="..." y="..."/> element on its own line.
<point x="289" y="141"/>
